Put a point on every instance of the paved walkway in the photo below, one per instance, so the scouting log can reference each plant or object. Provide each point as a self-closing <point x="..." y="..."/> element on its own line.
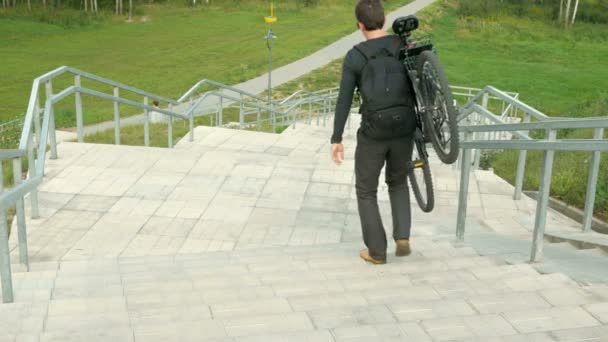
<point x="282" y="74"/>
<point x="244" y="237"/>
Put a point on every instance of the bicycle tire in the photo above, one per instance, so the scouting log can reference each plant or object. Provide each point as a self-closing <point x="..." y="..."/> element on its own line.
<point x="447" y="151"/>
<point x="426" y="203"/>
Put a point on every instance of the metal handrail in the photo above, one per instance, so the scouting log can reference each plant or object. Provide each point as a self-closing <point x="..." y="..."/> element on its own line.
<point x="10" y="154"/>
<point x="17" y="194"/>
<point x="203" y="82"/>
<point x="549" y="144"/>
<point x="42" y="134"/>
<point x="468" y="108"/>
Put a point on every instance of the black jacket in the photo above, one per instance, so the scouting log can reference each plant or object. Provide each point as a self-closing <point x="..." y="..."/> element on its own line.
<point x="351" y="74"/>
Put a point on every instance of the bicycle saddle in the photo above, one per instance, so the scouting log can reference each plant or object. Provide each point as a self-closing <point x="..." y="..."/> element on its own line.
<point x="403" y="26"/>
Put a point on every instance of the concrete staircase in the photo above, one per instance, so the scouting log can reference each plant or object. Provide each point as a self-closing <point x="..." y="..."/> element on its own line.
<point x="245" y="236"/>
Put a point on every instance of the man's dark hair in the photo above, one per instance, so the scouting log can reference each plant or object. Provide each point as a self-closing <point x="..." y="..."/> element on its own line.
<point x="370" y="13"/>
<point x="155" y="103"/>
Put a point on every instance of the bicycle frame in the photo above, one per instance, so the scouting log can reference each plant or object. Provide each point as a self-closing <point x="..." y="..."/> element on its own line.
<point x="411" y="51"/>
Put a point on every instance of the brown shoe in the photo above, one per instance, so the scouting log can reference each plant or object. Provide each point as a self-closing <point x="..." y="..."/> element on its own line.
<point x="364" y="254"/>
<point x="403" y="248"/>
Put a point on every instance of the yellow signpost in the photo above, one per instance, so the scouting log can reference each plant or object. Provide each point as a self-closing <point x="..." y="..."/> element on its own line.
<point x="271" y="19"/>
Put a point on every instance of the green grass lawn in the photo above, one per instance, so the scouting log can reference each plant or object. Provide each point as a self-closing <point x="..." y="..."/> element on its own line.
<point x="167" y="53"/>
<point x="560" y="73"/>
<point x="557" y="71"/>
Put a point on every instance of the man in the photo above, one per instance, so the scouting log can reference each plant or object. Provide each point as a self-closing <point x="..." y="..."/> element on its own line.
<point x="385" y="135"/>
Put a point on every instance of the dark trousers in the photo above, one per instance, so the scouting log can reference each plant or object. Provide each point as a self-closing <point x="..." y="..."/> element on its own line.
<point x="370" y="157"/>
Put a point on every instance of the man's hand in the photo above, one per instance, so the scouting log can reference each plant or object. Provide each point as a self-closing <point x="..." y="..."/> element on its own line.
<point x="337" y="153"/>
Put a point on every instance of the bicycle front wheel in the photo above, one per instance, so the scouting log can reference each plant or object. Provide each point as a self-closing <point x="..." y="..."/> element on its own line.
<point x="439" y="114"/>
<point x="422" y="183"/>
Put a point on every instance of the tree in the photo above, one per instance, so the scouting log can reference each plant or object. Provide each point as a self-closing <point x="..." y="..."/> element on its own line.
<point x="574" y="13"/>
<point x="567" y="14"/>
<point x="561" y="11"/>
<point x="118" y="7"/>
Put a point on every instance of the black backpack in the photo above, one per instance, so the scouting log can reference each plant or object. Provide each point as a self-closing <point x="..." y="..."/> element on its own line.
<point x="387" y="93"/>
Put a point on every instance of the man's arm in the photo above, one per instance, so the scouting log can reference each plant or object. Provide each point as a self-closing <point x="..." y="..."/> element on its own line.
<point x="345" y="97"/>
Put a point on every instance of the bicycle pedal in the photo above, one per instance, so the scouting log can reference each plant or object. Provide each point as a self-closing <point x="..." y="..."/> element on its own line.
<point x="418" y="163"/>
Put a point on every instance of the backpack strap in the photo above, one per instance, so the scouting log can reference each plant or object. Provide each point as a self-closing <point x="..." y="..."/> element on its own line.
<point x="395" y="46"/>
<point x="370" y="53"/>
<point x="366" y="51"/>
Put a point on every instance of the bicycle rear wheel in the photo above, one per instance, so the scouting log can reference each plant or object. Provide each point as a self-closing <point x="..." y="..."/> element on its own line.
<point x="422" y="182"/>
<point x="439" y="114"/>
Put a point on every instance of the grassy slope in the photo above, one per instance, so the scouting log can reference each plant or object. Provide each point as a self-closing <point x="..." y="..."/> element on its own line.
<point x="169" y="52"/>
<point x="554" y="70"/>
<point x="562" y="74"/>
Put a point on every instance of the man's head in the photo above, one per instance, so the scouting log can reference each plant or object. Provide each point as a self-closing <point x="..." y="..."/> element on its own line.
<point x="370" y="15"/>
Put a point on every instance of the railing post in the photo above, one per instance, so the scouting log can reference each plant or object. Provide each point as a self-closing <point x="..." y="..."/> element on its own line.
<point x="116" y="118"/>
<point x="241" y="116"/>
<point x="79" y="124"/>
<point x="543" y="201"/>
<point x="319" y="113"/>
<point x="274" y="118"/>
<point x="146" y="123"/>
<point x="465" y="173"/>
<point x="170" y="129"/>
<point x="521" y="168"/>
<point x="594" y="171"/>
<point x="484" y="135"/>
<point x="52" y="137"/>
<point x="220" y="120"/>
<point x="259" y="118"/>
<point x="309" y="109"/>
<point x="324" y="112"/>
<point x="37" y="119"/>
<point x="31" y="160"/>
<point x="458" y="162"/>
<point x="20" y="214"/>
<point x="5" y="262"/>
<point x="191" y="125"/>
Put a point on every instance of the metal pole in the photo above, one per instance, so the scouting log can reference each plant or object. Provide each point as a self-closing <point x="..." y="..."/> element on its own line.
<point x="542" y="201"/>
<point x="269" y="43"/>
<point x="594" y="171"/>
<point x="269" y="70"/>
<point x="324" y="112"/>
<point x="116" y="118"/>
<point x="32" y="171"/>
<point x="241" y="116"/>
<point x="484" y="104"/>
<point x="192" y="125"/>
<point x="259" y="118"/>
<point x="20" y="208"/>
<point x="220" y="120"/>
<point x="79" y="124"/>
<point x="52" y="137"/>
<point x="521" y="168"/>
<point x="5" y="262"/>
<point x="37" y="119"/>
<point x="170" y="129"/>
<point x="309" y="109"/>
<point x="464" y="190"/>
<point x="146" y="123"/>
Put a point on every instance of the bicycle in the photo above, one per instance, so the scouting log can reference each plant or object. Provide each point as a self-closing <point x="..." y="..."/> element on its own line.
<point x="435" y="111"/>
